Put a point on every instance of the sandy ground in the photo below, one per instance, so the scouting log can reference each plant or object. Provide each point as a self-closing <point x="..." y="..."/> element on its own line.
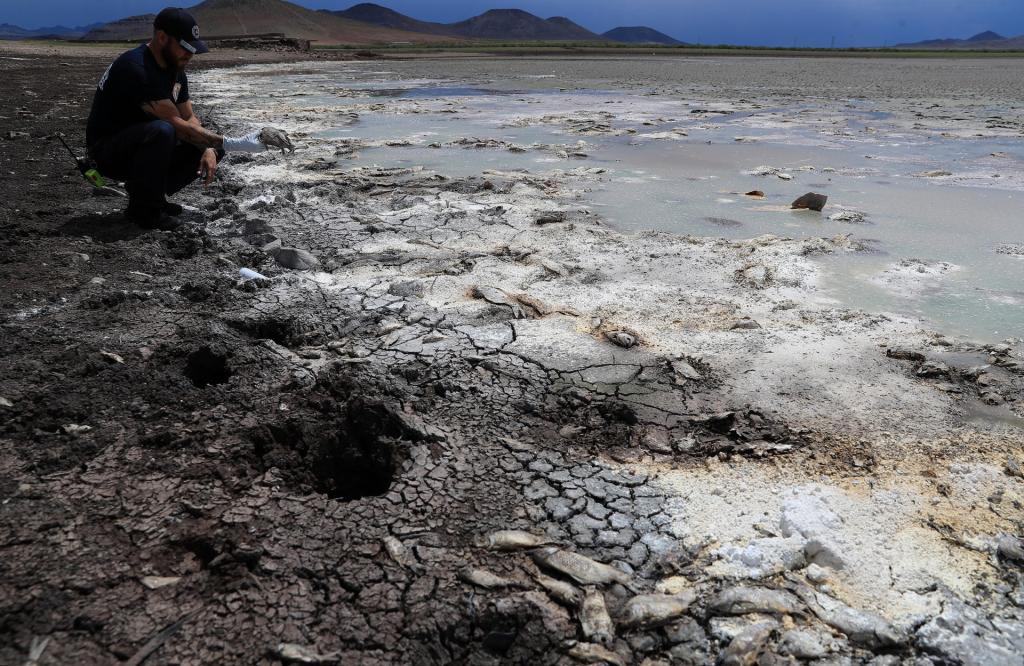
<point x="302" y="468"/>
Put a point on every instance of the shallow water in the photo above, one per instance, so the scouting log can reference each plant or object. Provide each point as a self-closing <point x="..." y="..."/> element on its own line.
<point x="864" y="159"/>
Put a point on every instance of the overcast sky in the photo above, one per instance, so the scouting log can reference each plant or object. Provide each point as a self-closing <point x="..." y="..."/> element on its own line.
<point x="767" y="22"/>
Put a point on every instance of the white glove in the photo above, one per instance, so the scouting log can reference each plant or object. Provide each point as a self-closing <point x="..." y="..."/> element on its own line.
<point x="250" y="143"/>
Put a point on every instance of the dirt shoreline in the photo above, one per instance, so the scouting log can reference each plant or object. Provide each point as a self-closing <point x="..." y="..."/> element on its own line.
<point x="311" y="461"/>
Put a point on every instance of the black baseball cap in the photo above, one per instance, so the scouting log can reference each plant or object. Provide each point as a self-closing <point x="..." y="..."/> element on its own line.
<point x="179" y="24"/>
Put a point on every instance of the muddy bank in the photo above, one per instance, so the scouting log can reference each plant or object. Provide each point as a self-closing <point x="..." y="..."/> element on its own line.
<point x="313" y="467"/>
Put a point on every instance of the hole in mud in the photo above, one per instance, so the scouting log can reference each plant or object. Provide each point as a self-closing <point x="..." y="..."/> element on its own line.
<point x="285" y="331"/>
<point x="349" y="468"/>
<point x="207" y="366"/>
<point x="349" y="457"/>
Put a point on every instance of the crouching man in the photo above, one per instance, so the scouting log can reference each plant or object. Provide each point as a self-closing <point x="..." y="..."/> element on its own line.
<point x="142" y="129"/>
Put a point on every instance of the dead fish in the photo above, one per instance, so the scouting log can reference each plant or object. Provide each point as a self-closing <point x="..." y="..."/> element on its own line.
<point x="594" y="619"/>
<point x="583" y="570"/>
<point x="300" y="654"/>
<point x="1010" y="548"/>
<point x="294" y="258"/>
<point x="592" y="653"/>
<point x="621" y="338"/>
<point x="684" y="371"/>
<point x="747" y="645"/>
<point x="560" y="591"/>
<point x="538" y="306"/>
<point x="275" y="138"/>
<point x="552" y="217"/>
<point x="744" y="600"/>
<point x="550" y="265"/>
<point x="811" y="200"/>
<point x="861" y="627"/>
<point x="651" y="610"/>
<point x="724" y="222"/>
<point x="484" y="579"/>
<point x="397" y="551"/>
<point x="511" y="540"/>
<point x="496" y="296"/>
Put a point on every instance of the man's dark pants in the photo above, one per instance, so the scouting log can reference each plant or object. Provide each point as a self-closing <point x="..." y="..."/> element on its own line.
<point x="151" y="161"/>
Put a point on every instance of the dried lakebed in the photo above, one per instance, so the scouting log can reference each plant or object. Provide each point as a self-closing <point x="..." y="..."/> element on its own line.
<point x="497" y="289"/>
<point x="487" y="425"/>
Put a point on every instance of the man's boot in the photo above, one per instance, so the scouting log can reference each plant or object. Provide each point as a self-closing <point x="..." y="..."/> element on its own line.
<point x="151" y="218"/>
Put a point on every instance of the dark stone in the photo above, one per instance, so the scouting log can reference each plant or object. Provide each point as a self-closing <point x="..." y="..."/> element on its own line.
<point x="811" y="201"/>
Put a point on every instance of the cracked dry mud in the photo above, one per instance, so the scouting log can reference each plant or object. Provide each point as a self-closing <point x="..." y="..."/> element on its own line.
<point x="438" y="447"/>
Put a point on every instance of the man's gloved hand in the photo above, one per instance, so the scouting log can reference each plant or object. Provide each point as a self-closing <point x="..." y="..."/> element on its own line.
<point x="250" y="143"/>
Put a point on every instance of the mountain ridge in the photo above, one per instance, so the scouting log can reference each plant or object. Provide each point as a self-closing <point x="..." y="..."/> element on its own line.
<point x="510" y="24"/>
<point x="987" y="40"/>
<point x="639" y="34"/>
<point x="9" y="31"/>
<point x="222" y="18"/>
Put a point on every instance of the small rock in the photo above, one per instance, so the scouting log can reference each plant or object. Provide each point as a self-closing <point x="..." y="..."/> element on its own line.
<point x="757" y="194"/>
<point x="905" y="354"/>
<point x="849" y="216"/>
<point x="802" y="644"/>
<point x="406" y="288"/>
<point x="552" y="217"/>
<point x="816" y="574"/>
<point x="295" y="259"/>
<point x="932" y="369"/>
<point x="1012" y="466"/>
<point x="745" y="325"/>
<point x="810" y="201"/>
<point x="4" y="402"/>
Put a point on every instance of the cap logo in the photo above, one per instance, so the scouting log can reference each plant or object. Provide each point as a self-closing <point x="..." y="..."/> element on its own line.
<point x="195" y="31"/>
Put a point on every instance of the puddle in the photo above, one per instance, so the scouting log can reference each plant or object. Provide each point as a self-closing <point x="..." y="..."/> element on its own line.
<point x="996" y="418"/>
<point x="676" y="165"/>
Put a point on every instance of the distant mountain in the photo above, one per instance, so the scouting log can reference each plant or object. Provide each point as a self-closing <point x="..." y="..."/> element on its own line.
<point x="516" y="24"/>
<point x="987" y="36"/>
<point x="640" y="35"/>
<point x="9" y="32"/>
<point x="368" y="12"/>
<point x="230" y="18"/>
<point x="987" y="40"/>
<point x="132" y="27"/>
<point x="572" y="30"/>
<point x="508" y="24"/>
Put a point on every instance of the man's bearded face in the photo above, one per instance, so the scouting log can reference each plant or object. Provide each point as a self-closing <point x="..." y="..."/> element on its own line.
<point x="174" y="54"/>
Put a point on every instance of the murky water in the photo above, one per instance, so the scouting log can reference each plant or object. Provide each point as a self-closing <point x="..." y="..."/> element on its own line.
<point x="656" y="178"/>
